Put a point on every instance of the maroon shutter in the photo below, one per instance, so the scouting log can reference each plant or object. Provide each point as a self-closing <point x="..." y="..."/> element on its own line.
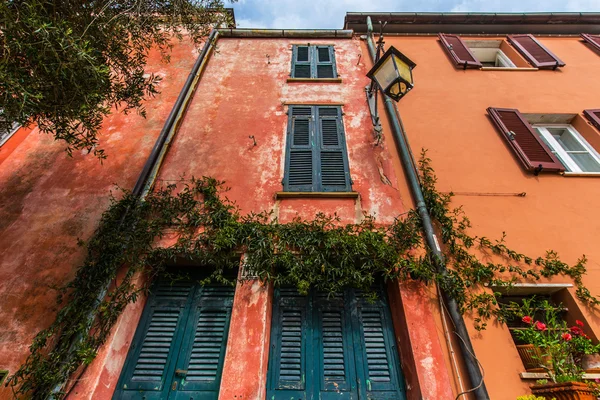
<point x="593" y="116"/>
<point x="527" y="145"/>
<point x="535" y="52"/>
<point x="593" y="40"/>
<point x="459" y="51"/>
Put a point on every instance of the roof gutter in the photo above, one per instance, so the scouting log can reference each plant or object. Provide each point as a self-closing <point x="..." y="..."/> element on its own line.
<point x="150" y="170"/>
<point x="286" y="33"/>
<point x="408" y="164"/>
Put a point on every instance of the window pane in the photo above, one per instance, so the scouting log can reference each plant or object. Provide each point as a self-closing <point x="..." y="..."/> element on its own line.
<point x="586" y="162"/>
<point x="566" y="139"/>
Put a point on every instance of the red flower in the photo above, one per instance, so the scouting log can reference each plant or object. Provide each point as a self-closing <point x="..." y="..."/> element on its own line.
<point x="540" y="326"/>
<point x="567" y="336"/>
<point x="575" y="330"/>
<point x="578" y="322"/>
<point x="527" y="319"/>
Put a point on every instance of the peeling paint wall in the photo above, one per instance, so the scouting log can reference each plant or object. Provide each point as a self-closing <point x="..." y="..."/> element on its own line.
<point x="49" y="200"/>
<point x="244" y="91"/>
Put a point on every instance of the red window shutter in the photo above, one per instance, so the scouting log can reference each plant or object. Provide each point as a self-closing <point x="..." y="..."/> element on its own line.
<point x="527" y="145"/>
<point x="593" y="40"/>
<point x="593" y="116"/>
<point x="459" y="51"/>
<point x="535" y="52"/>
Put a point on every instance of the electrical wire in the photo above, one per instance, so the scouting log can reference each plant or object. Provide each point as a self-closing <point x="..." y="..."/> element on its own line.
<point x="468" y="351"/>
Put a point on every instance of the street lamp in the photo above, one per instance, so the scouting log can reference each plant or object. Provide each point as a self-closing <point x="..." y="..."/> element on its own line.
<point x="393" y="73"/>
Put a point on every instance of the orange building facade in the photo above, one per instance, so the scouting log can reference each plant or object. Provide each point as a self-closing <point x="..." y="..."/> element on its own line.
<point x="268" y="99"/>
<point x="447" y="114"/>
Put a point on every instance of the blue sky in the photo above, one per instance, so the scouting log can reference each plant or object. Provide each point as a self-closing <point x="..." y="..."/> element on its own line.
<point x="314" y="14"/>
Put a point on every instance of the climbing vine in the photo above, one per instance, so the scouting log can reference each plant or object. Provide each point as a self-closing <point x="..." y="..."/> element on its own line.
<point x="321" y="254"/>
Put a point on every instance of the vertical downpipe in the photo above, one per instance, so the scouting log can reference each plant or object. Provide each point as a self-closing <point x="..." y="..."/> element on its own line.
<point x="468" y="354"/>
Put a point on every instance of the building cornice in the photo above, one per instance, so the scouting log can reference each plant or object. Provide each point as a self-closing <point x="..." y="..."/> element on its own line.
<point x="477" y="23"/>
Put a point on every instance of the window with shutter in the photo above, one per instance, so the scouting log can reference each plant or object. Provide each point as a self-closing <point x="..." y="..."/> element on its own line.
<point x="535" y="52"/>
<point x="592" y="40"/>
<point x="593" y="116"/>
<point x="533" y="153"/>
<point x="179" y="346"/>
<point x="332" y="347"/>
<point x="459" y="52"/>
<point x="316" y="157"/>
<point x="313" y="62"/>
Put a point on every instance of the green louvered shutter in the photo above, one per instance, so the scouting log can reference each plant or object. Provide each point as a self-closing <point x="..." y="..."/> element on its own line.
<point x="325" y="62"/>
<point x="151" y="361"/>
<point x="300" y="158"/>
<point x="380" y="361"/>
<point x="203" y="349"/>
<point x="333" y="173"/>
<point x="334" y="358"/>
<point x="179" y="347"/>
<point x="301" y="61"/>
<point x="290" y="345"/>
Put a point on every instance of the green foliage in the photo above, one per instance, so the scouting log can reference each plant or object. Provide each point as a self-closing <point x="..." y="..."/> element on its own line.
<point x="66" y="64"/>
<point x="532" y="397"/>
<point x="209" y="231"/>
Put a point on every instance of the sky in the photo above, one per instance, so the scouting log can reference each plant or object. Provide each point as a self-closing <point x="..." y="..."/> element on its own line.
<point x="329" y="14"/>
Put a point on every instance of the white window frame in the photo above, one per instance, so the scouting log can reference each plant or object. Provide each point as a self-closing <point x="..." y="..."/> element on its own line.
<point x="503" y="59"/>
<point x="4" y="138"/>
<point x="500" y="57"/>
<point x="560" y="152"/>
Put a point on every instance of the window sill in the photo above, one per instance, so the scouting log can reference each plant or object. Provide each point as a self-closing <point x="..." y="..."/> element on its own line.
<point x="508" y="69"/>
<point x="315" y="80"/>
<point x="581" y="174"/>
<point x="543" y="375"/>
<point x="319" y="195"/>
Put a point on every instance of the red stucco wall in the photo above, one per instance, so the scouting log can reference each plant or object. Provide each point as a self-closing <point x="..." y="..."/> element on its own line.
<point x="48" y="201"/>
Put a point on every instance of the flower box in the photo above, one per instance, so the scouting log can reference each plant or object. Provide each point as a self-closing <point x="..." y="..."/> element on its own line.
<point x="564" y="391"/>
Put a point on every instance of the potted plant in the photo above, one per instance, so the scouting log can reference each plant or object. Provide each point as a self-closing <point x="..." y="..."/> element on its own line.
<point x="558" y="354"/>
<point x="585" y="351"/>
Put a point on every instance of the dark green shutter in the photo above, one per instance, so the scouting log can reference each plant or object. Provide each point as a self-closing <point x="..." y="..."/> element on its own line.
<point x="316" y="157"/>
<point x="290" y="344"/>
<point x="325" y="62"/>
<point x="300" y="158"/>
<point x="301" y="62"/>
<point x="203" y="349"/>
<point x="151" y="361"/>
<point x="313" y="62"/>
<point x="334" y="173"/>
<point x="179" y="347"/>
<point x="380" y="357"/>
<point x="332" y="347"/>
<point x="334" y="356"/>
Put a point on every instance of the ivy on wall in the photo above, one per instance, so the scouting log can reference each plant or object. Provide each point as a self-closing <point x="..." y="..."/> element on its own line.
<point x="320" y="253"/>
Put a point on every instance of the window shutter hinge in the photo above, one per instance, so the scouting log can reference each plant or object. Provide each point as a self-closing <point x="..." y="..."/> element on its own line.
<point x="511" y="135"/>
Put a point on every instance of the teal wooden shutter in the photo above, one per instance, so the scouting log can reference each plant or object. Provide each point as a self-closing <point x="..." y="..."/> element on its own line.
<point x="150" y="363"/>
<point x="179" y="346"/>
<point x="334" y="356"/>
<point x="334" y="172"/>
<point x="325" y="62"/>
<point x="300" y="173"/>
<point x="290" y="345"/>
<point x="380" y="361"/>
<point x="332" y="347"/>
<point x="301" y="61"/>
<point x="202" y="353"/>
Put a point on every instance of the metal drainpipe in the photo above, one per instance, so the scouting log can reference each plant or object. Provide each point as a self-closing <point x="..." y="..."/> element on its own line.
<point x="473" y="370"/>
<point x="150" y="169"/>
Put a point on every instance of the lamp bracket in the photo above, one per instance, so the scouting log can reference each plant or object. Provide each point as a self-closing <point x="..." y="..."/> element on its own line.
<point x="371" y="92"/>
